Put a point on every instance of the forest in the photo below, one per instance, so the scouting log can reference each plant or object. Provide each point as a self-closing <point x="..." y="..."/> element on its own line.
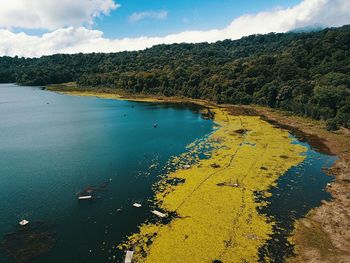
<point x="307" y="73"/>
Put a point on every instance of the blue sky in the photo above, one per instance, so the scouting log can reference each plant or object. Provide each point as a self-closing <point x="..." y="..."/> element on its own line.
<point x="43" y="27"/>
<point x="182" y="15"/>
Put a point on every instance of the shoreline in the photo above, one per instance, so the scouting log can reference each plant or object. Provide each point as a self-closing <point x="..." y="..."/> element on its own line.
<point x="322" y="235"/>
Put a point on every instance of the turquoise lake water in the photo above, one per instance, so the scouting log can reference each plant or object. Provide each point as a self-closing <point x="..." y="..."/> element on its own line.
<point x="53" y="146"/>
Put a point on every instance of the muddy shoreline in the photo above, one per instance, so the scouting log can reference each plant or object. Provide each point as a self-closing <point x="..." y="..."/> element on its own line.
<point x="324" y="235"/>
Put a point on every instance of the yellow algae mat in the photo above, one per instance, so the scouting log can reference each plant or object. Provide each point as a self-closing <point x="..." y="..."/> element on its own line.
<point x="215" y="203"/>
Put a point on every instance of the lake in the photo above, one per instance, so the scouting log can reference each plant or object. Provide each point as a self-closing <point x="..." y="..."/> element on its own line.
<point x="53" y="146"/>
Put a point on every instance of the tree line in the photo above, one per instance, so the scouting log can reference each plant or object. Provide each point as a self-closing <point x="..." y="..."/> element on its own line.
<point x="306" y="73"/>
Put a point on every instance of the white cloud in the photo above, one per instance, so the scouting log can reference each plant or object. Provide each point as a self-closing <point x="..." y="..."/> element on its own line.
<point x="136" y="17"/>
<point x="73" y="40"/>
<point x="51" y="14"/>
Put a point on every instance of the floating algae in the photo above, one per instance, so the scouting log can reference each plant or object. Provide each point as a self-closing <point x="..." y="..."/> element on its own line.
<point x="200" y="149"/>
<point x="215" y="223"/>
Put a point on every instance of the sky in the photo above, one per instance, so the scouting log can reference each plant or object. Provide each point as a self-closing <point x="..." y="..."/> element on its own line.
<point x="32" y="28"/>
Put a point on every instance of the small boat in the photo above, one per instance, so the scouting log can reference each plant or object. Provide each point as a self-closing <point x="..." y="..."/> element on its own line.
<point x="157" y="213"/>
<point x="137" y="205"/>
<point x="128" y="256"/>
<point x="230" y="184"/>
<point x="85" y="197"/>
<point x="155" y="125"/>
<point x="23" y="222"/>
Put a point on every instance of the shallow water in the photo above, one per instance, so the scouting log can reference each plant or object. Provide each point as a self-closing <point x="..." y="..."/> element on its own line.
<point x="299" y="190"/>
<point x="52" y="146"/>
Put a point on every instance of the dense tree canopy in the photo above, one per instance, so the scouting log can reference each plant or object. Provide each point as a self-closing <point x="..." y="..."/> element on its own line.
<point x="306" y="73"/>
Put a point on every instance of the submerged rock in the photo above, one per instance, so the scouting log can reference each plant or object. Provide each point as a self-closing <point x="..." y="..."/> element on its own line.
<point x="29" y="242"/>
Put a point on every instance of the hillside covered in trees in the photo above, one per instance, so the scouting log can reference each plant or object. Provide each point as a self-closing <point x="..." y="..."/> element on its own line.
<point x="306" y="73"/>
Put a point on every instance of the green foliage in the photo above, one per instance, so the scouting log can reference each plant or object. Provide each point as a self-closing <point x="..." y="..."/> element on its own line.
<point x="332" y="125"/>
<point x="306" y="73"/>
